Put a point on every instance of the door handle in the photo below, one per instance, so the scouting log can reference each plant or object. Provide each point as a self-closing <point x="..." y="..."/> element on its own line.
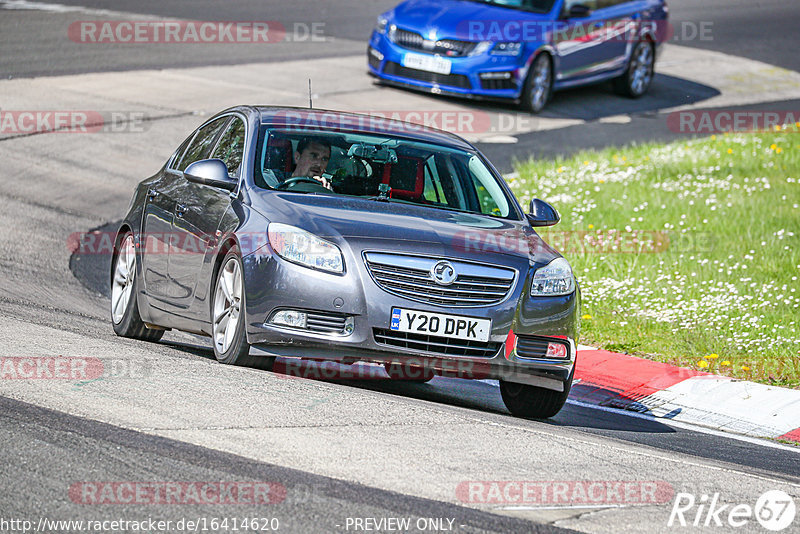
<point x="180" y="210"/>
<point x="152" y="194"/>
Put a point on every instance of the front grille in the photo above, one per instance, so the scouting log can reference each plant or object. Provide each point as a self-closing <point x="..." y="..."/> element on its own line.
<point x="453" y="80"/>
<point x="410" y="277"/>
<point x="534" y="347"/>
<point x="326" y="323"/>
<point x="445" y="47"/>
<point x="440" y="346"/>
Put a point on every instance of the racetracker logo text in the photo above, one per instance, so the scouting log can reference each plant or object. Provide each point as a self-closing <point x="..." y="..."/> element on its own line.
<point x="569" y="492"/>
<point x="210" y="492"/>
<point x="193" y="32"/>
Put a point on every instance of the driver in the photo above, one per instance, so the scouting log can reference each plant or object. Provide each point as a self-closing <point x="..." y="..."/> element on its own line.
<point x="311" y="160"/>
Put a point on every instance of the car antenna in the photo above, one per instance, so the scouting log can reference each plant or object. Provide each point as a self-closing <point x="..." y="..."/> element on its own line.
<point x="310" y="102"/>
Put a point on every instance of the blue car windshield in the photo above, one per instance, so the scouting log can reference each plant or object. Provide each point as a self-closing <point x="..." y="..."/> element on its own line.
<point x="536" y="6"/>
<point x="377" y="167"/>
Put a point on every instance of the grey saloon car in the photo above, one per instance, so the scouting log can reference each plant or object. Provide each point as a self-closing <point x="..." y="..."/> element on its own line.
<point x="322" y="235"/>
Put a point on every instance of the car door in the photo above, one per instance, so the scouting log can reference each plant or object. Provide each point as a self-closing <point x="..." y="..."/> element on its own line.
<point x="623" y="20"/>
<point x="198" y="215"/>
<point x="584" y="44"/>
<point x="157" y="228"/>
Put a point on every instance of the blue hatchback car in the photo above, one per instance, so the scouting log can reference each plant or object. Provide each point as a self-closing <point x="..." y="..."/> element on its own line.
<point x="521" y="50"/>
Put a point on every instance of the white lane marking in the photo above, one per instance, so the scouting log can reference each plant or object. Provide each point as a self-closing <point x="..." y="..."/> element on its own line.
<point x="586" y="347"/>
<point x="687" y="426"/>
<point x="616" y="119"/>
<point x="58" y="8"/>
<point x="565" y="507"/>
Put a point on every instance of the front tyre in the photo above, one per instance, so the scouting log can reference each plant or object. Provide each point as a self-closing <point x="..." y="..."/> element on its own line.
<point x="227" y="317"/>
<point x="639" y="75"/>
<point x="538" y="85"/>
<point x="124" y="308"/>
<point x="533" y="402"/>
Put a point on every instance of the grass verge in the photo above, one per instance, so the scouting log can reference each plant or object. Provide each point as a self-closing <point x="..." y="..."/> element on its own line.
<point x="687" y="253"/>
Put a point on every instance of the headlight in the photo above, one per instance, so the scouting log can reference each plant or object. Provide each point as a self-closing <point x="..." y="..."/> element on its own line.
<point x="553" y="280"/>
<point x="507" y="49"/>
<point x="380" y="26"/>
<point x="299" y="246"/>
<point x="481" y="48"/>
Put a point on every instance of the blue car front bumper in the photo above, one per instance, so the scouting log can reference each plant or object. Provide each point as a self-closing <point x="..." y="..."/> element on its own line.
<point x="482" y="75"/>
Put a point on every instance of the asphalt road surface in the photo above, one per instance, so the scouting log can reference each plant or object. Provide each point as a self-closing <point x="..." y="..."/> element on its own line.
<point x="341" y="450"/>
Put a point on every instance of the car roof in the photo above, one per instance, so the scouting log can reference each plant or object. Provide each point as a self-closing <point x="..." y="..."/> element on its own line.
<point x="329" y="120"/>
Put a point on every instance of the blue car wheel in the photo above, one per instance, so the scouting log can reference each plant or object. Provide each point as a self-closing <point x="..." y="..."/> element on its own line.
<point x="538" y="84"/>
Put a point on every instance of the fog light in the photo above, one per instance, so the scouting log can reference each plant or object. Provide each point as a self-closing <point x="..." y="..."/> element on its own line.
<point x="349" y="326"/>
<point x="495" y="75"/>
<point x="295" y="319"/>
<point x="374" y="53"/>
<point x="556" y="350"/>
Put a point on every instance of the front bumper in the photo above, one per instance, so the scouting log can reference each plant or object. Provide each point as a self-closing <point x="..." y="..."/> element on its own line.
<point x="272" y="284"/>
<point x="385" y="61"/>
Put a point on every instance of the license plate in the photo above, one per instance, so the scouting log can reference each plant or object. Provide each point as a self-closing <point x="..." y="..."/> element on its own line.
<point x="440" y="324"/>
<point x="427" y="63"/>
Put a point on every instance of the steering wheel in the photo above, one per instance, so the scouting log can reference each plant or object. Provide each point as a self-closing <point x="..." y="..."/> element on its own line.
<point x="299" y="180"/>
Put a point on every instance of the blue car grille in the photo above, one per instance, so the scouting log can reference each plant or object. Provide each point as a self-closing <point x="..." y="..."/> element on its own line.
<point x="452" y="80"/>
<point x="445" y="47"/>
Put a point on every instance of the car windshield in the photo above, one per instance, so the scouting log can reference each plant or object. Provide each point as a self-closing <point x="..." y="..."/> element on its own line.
<point x="379" y="168"/>
<point x="536" y="6"/>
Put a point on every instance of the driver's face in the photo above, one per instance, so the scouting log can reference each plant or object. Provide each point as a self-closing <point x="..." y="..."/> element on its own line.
<point x="313" y="161"/>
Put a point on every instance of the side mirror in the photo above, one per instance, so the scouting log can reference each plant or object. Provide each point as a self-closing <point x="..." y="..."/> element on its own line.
<point x="579" y="11"/>
<point x="543" y="214"/>
<point x="212" y="172"/>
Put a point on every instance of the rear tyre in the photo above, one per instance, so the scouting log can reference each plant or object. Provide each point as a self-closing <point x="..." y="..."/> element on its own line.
<point x="408" y="373"/>
<point x="538" y="85"/>
<point x="534" y="402"/>
<point x="639" y="75"/>
<point x="124" y="288"/>
<point x="227" y="317"/>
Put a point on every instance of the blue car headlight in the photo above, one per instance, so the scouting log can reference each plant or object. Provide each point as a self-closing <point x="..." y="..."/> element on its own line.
<point x="553" y="280"/>
<point x="481" y="48"/>
<point x="507" y="49"/>
<point x="298" y="246"/>
<point x="380" y="25"/>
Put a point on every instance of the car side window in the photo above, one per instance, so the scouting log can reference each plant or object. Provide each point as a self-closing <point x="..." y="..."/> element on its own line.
<point x="609" y="3"/>
<point x="202" y="143"/>
<point x="176" y="157"/>
<point x="591" y="4"/>
<point x="230" y="148"/>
